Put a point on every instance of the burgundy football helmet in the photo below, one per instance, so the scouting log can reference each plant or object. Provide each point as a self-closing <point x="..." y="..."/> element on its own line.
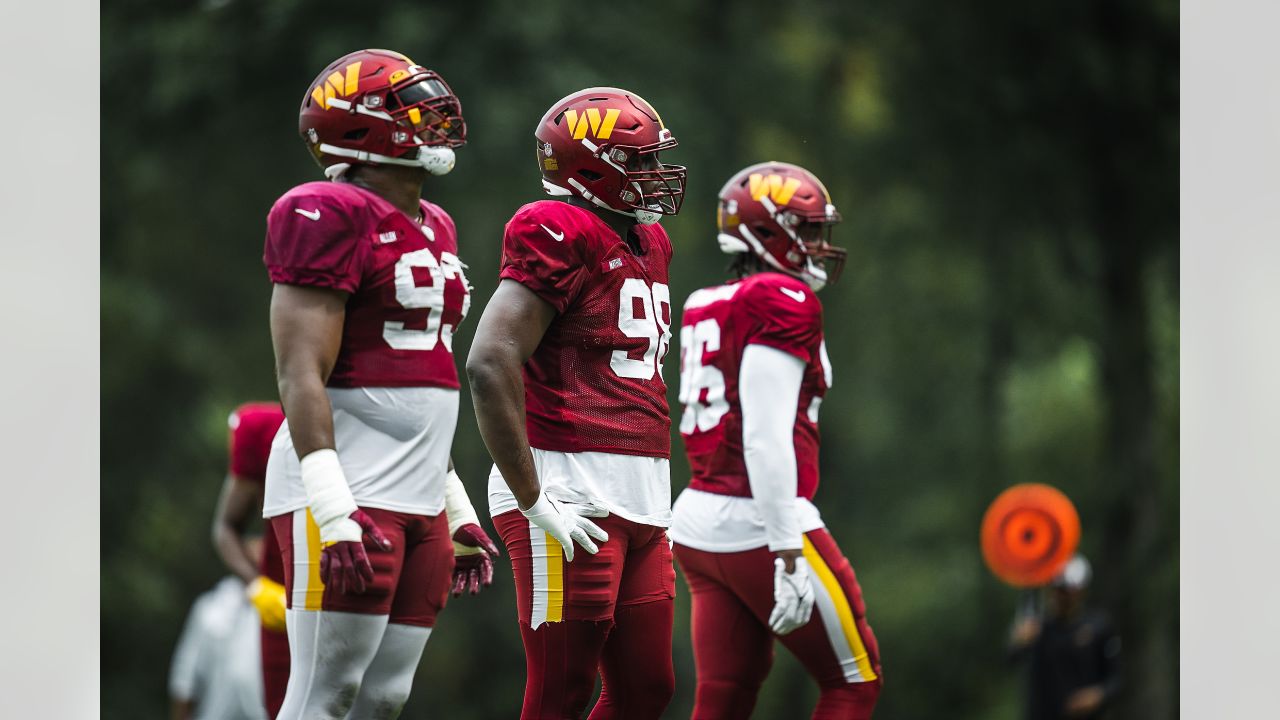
<point x="783" y="214"/>
<point x="601" y="144"/>
<point x="378" y="107"/>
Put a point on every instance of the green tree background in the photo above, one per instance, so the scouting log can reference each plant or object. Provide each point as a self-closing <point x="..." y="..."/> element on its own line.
<point x="1009" y="312"/>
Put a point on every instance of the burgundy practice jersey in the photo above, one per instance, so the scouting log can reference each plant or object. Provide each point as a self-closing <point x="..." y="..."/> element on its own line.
<point x="252" y="428"/>
<point x="719" y="323"/>
<point x="595" y="382"/>
<point x="407" y="290"/>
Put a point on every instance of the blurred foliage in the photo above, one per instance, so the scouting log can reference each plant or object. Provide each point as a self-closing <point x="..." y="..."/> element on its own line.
<point x="1008" y="174"/>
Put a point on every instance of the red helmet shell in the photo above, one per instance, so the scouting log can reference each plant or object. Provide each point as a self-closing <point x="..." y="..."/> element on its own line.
<point x="783" y="214"/>
<point x="371" y="105"/>
<point x="601" y="144"/>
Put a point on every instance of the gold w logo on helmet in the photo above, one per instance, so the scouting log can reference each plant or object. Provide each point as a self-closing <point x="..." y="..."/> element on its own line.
<point x="778" y="189"/>
<point x="338" y="84"/>
<point x="601" y="129"/>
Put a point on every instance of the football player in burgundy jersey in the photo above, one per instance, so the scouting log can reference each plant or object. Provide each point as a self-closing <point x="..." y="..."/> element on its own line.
<point x="566" y="378"/>
<point x="752" y="545"/>
<point x="252" y="428"/>
<point x="368" y="293"/>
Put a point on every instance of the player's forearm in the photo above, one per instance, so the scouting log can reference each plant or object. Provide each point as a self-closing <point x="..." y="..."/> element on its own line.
<point x="306" y="404"/>
<point x="227" y="543"/>
<point x="497" y="392"/>
<point x="769" y="392"/>
<point x="237" y="501"/>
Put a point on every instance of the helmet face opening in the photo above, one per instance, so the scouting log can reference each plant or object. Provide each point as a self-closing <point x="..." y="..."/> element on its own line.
<point x="602" y="144"/>
<point x="821" y="253"/>
<point x="429" y="107"/>
<point x="650" y="184"/>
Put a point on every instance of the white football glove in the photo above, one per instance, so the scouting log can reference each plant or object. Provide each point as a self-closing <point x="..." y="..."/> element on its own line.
<point x="568" y="523"/>
<point x="792" y="596"/>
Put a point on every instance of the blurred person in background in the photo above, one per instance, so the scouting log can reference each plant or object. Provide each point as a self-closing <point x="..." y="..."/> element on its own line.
<point x="368" y="292"/>
<point x="216" y="670"/>
<point x="1072" y="651"/>
<point x="751" y="543"/>
<point x="566" y="378"/>
<point x="252" y="426"/>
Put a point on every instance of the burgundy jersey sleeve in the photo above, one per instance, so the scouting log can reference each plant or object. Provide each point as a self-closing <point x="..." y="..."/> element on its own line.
<point x="783" y="314"/>
<point x="543" y="249"/>
<point x="312" y="240"/>
<point x="252" y="428"/>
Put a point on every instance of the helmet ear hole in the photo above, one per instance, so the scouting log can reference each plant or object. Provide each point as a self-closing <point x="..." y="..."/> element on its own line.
<point x="356" y="134"/>
<point x="763" y="231"/>
<point x="591" y="175"/>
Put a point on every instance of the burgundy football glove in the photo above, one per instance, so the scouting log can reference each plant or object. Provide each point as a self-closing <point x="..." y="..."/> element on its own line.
<point x="473" y="552"/>
<point x="344" y="566"/>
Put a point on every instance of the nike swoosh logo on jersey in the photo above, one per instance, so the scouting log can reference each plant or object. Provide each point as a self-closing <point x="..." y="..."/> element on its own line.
<point x="797" y="295"/>
<point x="559" y="236"/>
<point x="308" y="214"/>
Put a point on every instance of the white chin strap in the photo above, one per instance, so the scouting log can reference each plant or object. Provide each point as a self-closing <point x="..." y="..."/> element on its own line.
<point x="336" y="170"/>
<point x="644" y="217"/>
<point x="435" y="160"/>
<point x="814" y="276"/>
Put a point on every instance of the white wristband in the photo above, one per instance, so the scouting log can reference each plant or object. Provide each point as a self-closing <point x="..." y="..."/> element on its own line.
<point x="328" y="496"/>
<point x="457" y="504"/>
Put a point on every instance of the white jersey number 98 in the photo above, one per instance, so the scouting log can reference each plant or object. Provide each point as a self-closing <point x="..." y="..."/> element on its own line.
<point x="647" y="324"/>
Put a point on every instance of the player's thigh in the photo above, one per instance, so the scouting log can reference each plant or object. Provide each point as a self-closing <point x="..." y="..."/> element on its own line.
<point x="428" y="569"/>
<point x="836" y="645"/>
<point x="649" y="572"/>
<point x="549" y="588"/>
<point x="299" y="539"/>
<point x="730" y="641"/>
<point x="272" y="564"/>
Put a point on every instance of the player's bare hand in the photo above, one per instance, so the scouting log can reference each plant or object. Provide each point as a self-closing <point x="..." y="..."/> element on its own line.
<point x="568" y="523"/>
<point x="1084" y="702"/>
<point x="344" y="565"/>
<point x="1025" y="631"/>
<point x="789" y="557"/>
<point x="473" y="553"/>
